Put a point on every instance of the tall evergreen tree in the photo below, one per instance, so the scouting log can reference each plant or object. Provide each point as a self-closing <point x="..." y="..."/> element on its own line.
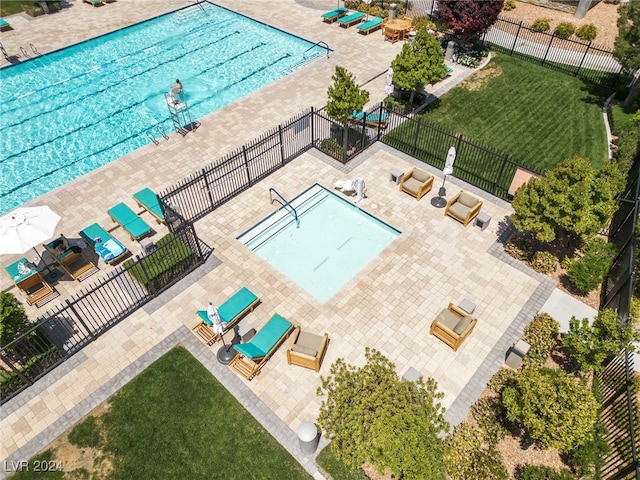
<point x="418" y="64"/>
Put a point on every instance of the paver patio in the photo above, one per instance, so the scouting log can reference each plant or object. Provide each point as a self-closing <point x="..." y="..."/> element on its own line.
<point x="389" y="305"/>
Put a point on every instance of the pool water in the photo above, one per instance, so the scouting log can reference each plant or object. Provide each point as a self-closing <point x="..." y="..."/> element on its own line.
<point x="331" y="243"/>
<point x="69" y="112"/>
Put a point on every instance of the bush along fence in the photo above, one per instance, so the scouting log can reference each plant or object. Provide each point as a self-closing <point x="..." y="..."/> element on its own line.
<point x="585" y="60"/>
<point x="205" y="190"/>
<point x="65" y="330"/>
<point x="618" y="382"/>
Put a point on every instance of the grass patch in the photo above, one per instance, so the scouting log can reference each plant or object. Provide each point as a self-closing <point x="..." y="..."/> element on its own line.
<point x="171" y="259"/>
<point x="538" y="116"/>
<point x="338" y="470"/>
<point x="621" y="116"/>
<point x="175" y="420"/>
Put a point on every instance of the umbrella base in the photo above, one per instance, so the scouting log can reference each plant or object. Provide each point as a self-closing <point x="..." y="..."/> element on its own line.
<point x="226" y="354"/>
<point x="53" y="276"/>
<point x="439" y="202"/>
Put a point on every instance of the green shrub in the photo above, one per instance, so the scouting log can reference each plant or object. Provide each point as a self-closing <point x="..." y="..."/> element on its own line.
<point x="424" y="22"/>
<point x="491" y="417"/>
<point x="13" y="318"/>
<point x="588" y="272"/>
<point x="541" y="25"/>
<point x="587" y="32"/>
<point x="564" y="30"/>
<point x="471" y="455"/>
<point x="590" y="457"/>
<point x="553" y="407"/>
<point x="503" y="377"/>
<point x="542" y="334"/>
<point x="538" y="472"/>
<point x="544" y="262"/>
<point x="376" y="11"/>
<point x="520" y="248"/>
<point x="509" y="5"/>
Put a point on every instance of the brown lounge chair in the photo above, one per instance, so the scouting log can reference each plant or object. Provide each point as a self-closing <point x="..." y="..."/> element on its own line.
<point x="453" y="325"/>
<point x="416" y="182"/>
<point x="307" y="349"/>
<point x="29" y="281"/>
<point x="463" y="207"/>
<point x="70" y="258"/>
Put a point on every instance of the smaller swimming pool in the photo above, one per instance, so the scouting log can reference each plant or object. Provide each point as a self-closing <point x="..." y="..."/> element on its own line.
<point x="331" y="243"/>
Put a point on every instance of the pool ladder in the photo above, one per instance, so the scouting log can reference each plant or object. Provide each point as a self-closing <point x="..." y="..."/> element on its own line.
<point x="286" y="203"/>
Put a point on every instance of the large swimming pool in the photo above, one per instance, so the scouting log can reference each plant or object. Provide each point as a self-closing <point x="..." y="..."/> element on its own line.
<point x="69" y="112"/>
<point x="330" y="243"/>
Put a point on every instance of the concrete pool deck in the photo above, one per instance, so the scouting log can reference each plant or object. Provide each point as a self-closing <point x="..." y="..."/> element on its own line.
<point x="389" y="305"/>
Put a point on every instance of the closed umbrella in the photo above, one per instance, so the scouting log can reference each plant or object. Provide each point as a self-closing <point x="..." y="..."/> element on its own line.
<point x="225" y="355"/>
<point x="440" y="201"/>
<point x="388" y="85"/>
<point x="26" y="227"/>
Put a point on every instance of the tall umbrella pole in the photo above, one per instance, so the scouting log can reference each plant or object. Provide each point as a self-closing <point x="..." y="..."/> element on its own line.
<point x="440" y="201"/>
<point x="225" y="353"/>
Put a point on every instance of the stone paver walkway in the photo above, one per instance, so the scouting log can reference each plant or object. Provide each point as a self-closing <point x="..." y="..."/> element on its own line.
<point x="388" y="305"/>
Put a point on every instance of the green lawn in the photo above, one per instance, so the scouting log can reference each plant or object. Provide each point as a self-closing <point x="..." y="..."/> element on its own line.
<point x="538" y="116"/>
<point x="176" y="421"/>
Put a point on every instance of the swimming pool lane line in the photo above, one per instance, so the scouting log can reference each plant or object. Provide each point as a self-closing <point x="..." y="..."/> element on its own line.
<point x="103" y="89"/>
<point x="133" y="105"/>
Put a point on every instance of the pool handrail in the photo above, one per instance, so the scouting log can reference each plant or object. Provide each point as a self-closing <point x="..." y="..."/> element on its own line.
<point x="286" y="202"/>
<point x="319" y="44"/>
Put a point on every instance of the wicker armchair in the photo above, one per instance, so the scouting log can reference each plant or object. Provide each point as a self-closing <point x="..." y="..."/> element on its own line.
<point x="463" y="207"/>
<point x="416" y="182"/>
<point x="307" y="349"/>
<point x="453" y="325"/>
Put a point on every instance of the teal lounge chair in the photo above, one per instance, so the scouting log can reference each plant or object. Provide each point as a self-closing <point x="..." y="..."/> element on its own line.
<point x="369" y="26"/>
<point x="372" y="119"/>
<point x="132" y="223"/>
<point x="107" y="247"/>
<point x="29" y="281"/>
<point x="334" y="15"/>
<point x="254" y="354"/>
<point x="4" y="25"/>
<point x="231" y="311"/>
<point x="355" y="17"/>
<point x="147" y="199"/>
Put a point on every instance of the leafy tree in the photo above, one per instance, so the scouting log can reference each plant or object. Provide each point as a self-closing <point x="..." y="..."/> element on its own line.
<point x="627" y="44"/>
<point x="374" y="417"/>
<point x="573" y="198"/>
<point x="542" y="335"/>
<point x="469" y="17"/>
<point x="344" y="96"/>
<point x="592" y="344"/>
<point x="473" y="456"/>
<point x="418" y="64"/>
<point x="553" y="407"/>
<point x="13" y="319"/>
<point x="588" y="272"/>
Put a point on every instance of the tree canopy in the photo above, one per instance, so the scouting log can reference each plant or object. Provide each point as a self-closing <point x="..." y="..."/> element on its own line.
<point x="574" y="198"/>
<point x="13" y="319"/>
<point x="418" y="64"/>
<point x="553" y="407"/>
<point x="592" y="344"/>
<point x="344" y="96"/>
<point x="469" y="17"/>
<point x="374" y="417"/>
<point x="627" y="44"/>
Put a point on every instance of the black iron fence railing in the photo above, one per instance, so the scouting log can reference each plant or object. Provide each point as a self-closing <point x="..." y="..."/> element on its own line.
<point x="65" y="330"/>
<point x="585" y="60"/>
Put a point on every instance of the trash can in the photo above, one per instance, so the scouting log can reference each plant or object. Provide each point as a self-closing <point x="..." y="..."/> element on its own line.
<point x="412" y="36"/>
<point x="308" y="437"/>
<point x="392" y="11"/>
<point x="449" y="53"/>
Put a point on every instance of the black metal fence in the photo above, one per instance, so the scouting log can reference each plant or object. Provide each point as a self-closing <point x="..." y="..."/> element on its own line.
<point x="65" y="330"/>
<point x="205" y="190"/>
<point x="585" y="60"/>
<point x="621" y="412"/>
<point x="475" y="164"/>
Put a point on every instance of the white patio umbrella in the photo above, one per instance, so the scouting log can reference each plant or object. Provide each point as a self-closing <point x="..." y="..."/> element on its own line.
<point x="26" y="227"/>
<point x="224" y="354"/>
<point x="439" y="201"/>
<point x="388" y="84"/>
